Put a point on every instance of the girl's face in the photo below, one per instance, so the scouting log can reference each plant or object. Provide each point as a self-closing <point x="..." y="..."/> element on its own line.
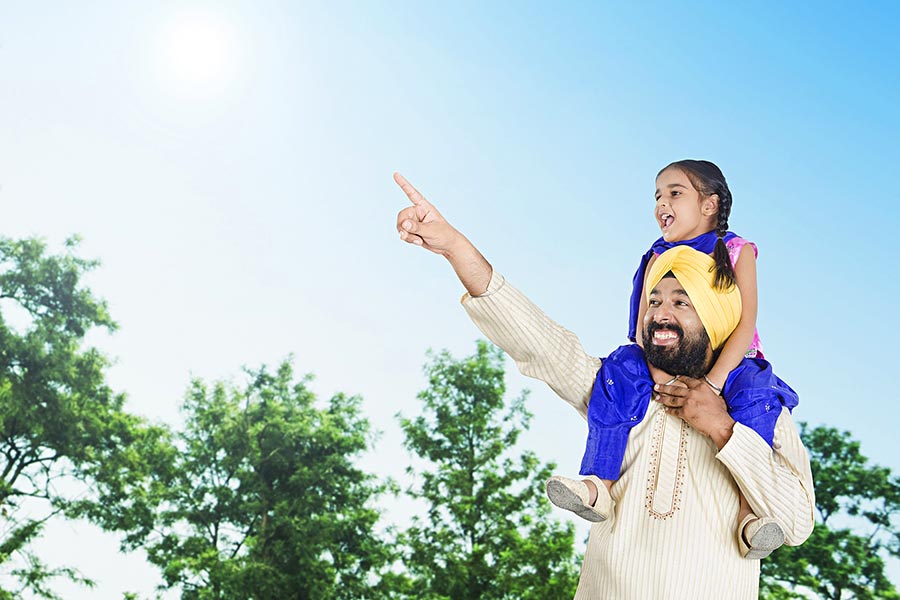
<point x="681" y="212"/>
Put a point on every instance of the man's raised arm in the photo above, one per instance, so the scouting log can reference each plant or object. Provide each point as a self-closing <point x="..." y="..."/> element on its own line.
<point x="541" y="348"/>
<point x="421" y="224"/>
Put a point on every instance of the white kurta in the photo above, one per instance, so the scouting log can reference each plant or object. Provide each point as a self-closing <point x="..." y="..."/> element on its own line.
<point x="673" y="532"/>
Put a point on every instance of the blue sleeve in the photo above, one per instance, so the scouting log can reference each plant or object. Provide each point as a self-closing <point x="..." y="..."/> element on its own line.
<point x="755" y="395"/>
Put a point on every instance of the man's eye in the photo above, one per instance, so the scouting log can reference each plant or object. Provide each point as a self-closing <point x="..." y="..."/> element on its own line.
<point x="654" y="303"/>
<point x="682" y="303"/>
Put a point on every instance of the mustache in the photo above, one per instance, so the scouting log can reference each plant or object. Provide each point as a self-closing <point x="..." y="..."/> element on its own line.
<point x="652" y="327"/>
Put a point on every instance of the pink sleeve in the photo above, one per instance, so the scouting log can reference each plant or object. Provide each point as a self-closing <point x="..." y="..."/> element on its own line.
<point x="734" y="246"/>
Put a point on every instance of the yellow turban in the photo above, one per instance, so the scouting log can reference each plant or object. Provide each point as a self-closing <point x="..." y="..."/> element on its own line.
<point x="719" y="310"/>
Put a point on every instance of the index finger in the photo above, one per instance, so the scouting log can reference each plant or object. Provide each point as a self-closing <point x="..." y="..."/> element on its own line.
<point x="671" y="390"/>
<point x="412" y="193"/>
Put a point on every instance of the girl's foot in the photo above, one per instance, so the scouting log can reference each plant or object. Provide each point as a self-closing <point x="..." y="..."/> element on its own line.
<point x="759" y="537"/>
<point x="575" y="496"/>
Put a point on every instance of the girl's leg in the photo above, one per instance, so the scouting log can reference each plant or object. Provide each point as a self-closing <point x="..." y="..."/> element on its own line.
<point x="588" y="498"/>
<point x="757" y="537"/>
<point x="593" y="492"/>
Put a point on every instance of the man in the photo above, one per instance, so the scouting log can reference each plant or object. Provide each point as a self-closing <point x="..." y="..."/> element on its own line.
<point x="677" y="497"/>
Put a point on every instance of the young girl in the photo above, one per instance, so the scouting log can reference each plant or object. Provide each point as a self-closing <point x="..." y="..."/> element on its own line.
<point x="693" y="204"/>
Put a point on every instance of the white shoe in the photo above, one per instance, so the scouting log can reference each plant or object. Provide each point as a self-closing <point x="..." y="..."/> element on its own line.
<point x="764" y="535"/>
<point x="573" y="495"/>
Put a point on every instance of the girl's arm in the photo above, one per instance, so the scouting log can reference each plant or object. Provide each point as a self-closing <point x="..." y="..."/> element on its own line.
<point x="642" y="305"/>
<point x="739" y="342"/>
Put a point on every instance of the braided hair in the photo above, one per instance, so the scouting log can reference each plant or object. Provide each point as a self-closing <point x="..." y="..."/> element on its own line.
<point x="708" y="179"/>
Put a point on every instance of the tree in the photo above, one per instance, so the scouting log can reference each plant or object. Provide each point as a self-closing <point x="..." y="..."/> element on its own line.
<point x="67" y="447"/>
<point x="858" y="527"/>
<point x="266" y="501"/>
<point x="487" y="533"/>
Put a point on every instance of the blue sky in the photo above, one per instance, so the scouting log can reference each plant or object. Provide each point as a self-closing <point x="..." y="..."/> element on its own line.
<point x="230" y="164"/>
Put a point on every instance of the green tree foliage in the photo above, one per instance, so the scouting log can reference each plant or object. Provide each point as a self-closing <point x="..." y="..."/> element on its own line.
<point x="266" y="501"/>
<point x="32" y="574"/>
<point x="858" y="527"/>
<point x="487" y="534"/>
<point x="66" y="445"/>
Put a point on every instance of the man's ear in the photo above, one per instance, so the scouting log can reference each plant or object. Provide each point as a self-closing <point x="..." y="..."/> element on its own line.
<point x="710" y="205"/>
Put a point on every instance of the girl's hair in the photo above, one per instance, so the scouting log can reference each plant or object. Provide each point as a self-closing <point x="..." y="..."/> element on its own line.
<point x="708" y="179"/>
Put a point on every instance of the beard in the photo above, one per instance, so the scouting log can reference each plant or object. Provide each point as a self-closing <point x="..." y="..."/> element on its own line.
<point x="687" y="357"/>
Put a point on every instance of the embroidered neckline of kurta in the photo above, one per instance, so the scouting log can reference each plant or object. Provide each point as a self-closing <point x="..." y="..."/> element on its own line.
<point x="665" y="477"/>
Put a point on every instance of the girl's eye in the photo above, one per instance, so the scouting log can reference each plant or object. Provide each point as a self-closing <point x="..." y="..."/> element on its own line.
<point x="676" y="193"/>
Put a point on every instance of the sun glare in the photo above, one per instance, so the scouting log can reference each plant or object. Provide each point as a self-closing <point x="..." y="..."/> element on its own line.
<point x="198" y="55"/>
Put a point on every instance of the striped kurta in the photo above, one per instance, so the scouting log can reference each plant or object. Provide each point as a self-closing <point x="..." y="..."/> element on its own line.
<point x="672" y="535"/>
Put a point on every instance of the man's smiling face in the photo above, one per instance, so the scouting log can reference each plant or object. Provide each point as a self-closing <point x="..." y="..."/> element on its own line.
<point x="673" y="335"/>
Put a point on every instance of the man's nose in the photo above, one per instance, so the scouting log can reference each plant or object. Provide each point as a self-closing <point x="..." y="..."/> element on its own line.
<point x="662" y="314"/>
